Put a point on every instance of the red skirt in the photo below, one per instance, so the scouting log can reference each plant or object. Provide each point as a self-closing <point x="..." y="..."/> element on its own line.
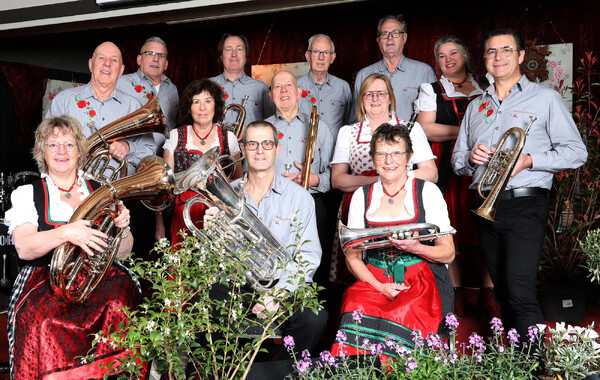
<point x="196" y="213"/>
<point x="417" y="308"/>
<point x="51" y="335"/>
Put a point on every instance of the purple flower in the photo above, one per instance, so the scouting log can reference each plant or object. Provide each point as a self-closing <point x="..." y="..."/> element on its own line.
<point x="513" y="337"/>
<point x="341" y="336"/>
<point x="417" y="338"/>
<point x="433" y="340"/>
<point x="376" y="349"/>
<point x="497" y="325"/>
<point x="532" y="333"/>
<point x="410" y="364"/>
<point x="288" y="342"/>
<point x="357" y="316"/>
<point x="477" y="343"/>
<point x="500" y="348"/>
<point x="305" y="354"/>
<point x="451" y="321"/>
<point x="303" y="365"/>
<point x="365" y="342"/>
<point x="326" y="357"/>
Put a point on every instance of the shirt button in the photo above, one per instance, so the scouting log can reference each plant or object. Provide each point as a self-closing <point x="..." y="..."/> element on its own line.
<point x="499" y="112"/>
<point x="493" y="145"/>
<point x="289" y="151"/>
<point x="102" y="119"/>
<point x="497" y="128"/>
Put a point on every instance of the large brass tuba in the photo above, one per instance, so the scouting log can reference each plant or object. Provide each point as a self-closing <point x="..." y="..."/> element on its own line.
<point x="236" y="224"/>
<point x="311" y="146"/>
<point x="498" y="171"/>
<point x="73" y="273"/>
<point x="147" y="119"/>
<point x="368" y="238"/>
<point x="237" y="127"/>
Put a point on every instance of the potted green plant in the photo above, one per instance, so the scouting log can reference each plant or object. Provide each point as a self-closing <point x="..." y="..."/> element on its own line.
<point x="573" y="210"/>
<point x="591" y="248"/>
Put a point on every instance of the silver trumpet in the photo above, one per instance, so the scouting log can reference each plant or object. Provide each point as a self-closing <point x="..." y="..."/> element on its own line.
<point x="368" y="238"/>
<point x="241" y="230"/>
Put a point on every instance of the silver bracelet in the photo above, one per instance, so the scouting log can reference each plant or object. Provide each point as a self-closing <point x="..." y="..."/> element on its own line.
<point x="126" y="233"/>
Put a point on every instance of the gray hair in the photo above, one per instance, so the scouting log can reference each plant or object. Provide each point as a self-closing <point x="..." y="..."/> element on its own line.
<point x="461" y="45"/>
<point x="310" y="41"/>
<point x="154" y="39"/>
<point x="399" y="18"/>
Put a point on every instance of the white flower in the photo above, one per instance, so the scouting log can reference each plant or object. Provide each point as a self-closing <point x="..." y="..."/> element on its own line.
<point x="150" y="326"/>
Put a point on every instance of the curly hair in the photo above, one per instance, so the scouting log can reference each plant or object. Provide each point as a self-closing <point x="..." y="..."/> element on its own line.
<point x="67" y="125"/>
<point x="195" y="88"/>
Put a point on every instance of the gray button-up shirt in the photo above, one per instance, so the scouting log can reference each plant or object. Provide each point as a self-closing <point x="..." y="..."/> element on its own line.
<point x="332" y="98"/>
<point x="81" y="103"/>
<point x="553" y="142"/>
<point x="276" y="211"/>
<point x="258" y="106"/>
<point x="406" y="79"/>
<point x="141" y="87"/>
<point x="292" y="137"/>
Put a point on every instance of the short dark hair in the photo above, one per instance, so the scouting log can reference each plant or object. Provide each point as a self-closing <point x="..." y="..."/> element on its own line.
<point x="222" y="43"/>
<point x="506" y="32"/>
<point x="195" y="88"/>
<point x="398" y="17"/>
<point x="262" y="124"/>
<point x="387" y="133"/>
<point x="154" y="39"/>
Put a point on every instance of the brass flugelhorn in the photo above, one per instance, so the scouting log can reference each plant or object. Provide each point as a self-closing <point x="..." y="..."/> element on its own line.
<point x="368" y="238"/>
<point x="73" y="273"/>
<point x="311" y="146"/>
<point x="498" y="171"/>
<point x="236" y="127"/>
<point x="149" y="118"/>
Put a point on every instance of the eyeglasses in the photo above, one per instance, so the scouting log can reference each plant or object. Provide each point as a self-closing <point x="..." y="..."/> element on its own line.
<point x="394" y="33"/>
<point x="382" y="156"/>
<point x="375" y="95"/>
<point x="153" y="53"/>
<point x="316" y="53"/>
<point x="53" y="147"/>
<point x="506" y="51"/>
<point x="266" y="144"/>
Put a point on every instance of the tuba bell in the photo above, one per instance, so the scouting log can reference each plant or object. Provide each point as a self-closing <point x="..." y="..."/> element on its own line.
<point x="73" y="273"/>
<point x="498" y="171"/>
<point x="368" y="238"/>
<point x="236" y="127"/>
<point x="311" y="146"/>
<point x="149" y="118"/>
<point x="239" y="227"/>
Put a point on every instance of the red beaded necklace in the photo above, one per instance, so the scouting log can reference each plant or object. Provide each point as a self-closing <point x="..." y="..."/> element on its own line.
<point x="391" y="200"/>
<point x="202" y="139"/>
<point x="459" y="84"/>
<point x="68" y="192"/>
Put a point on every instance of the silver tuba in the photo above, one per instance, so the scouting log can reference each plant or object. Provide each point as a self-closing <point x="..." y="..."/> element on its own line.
<point x="73" y="273"/>
<point x="239" y="227"/>
<point x="367" y="238"/>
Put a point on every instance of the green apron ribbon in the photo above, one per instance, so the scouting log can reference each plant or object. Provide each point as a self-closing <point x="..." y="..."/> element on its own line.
<point x="395" y="267"/>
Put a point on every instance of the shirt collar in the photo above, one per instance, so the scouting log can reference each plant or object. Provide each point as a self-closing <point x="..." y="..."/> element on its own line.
<point x="384" y="67"/>
<point x="88" y="92"/>
<point x="327" y="79"/>
<point x="144" y="76"/>
<point x="242" y="79"/>
<point x="519" y="86"/>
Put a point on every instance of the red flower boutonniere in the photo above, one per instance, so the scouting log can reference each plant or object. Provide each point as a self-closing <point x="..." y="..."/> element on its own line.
<point x="487" y="110"/>
<point x="141" y="89"/>
<point x="309" y="98"/>
<point x="225" y="94"/>
<point x="279" y="135"/>
<point x="83" y="104"/>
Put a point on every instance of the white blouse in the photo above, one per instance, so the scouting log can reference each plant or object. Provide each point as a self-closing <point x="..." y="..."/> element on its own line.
<point x="436" y="210"/>
<point x="23" y="207"/>
<point x="421" y="149"/>
<point x="173" y="140"/>
<point x="427" y="100"/>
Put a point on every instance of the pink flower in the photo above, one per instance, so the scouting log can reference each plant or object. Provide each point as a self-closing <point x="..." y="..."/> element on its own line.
<point x="553" y="64"/>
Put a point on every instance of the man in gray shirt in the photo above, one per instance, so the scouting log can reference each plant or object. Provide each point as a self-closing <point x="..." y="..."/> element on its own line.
<point x="100" y="103"/>
<point x="150" y="78"/>
<point x="405" y="74"/>
<point x="330" y="94"/>
<point x="233" y="54"/>
<point x="277" y="201"/>
<point x="512" y="245"/>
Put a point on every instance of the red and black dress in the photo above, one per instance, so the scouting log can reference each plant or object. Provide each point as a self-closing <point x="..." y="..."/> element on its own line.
<point x="184" y="158"/>
<point x="48" y="336"/>
<point x="421" y="307"/>
<point x="450" y="111"/>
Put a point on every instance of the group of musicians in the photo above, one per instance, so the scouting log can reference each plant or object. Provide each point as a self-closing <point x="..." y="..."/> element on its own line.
<point x="366" y="147"/>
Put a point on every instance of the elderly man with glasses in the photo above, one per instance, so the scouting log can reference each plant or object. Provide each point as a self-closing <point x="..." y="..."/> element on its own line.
<point x="405" y="74"/>
<point x="512" y="244"/>
<point x="276" y="201"/>
<point x="150" y="78"/>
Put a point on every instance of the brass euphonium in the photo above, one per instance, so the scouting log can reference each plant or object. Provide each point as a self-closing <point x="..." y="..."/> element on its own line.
<point x="73" y="273"/>
<point x="498" y="171"/>
<point x="311" y="146"/>
<point x="368" y="238"/>
<point x="237" y="127"/>
<point x="149" y="118"/>
<point x="240" y="229"/>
